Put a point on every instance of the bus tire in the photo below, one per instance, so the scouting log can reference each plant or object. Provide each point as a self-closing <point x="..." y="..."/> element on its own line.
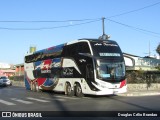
<point x="37" y="87"/>
<point x="69" y="90"/>
<point x="31" y="86"/>
<point x="78" y="90"/>
<point x="34" y="87"/>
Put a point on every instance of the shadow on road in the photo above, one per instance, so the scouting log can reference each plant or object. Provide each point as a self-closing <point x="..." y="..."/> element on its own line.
<point x="132" y="104"/>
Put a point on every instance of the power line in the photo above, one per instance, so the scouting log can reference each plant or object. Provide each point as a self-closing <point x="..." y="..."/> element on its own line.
<point x="93" y="20"/>
<point x="43" y="28"/>
<point x="47" y="21"/>
<point x="81" y="20"/>
<point x="134" y="10"/>
<point x="135" y="28"/>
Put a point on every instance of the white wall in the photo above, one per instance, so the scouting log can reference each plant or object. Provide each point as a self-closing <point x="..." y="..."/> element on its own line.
<point x="5" y="65"/>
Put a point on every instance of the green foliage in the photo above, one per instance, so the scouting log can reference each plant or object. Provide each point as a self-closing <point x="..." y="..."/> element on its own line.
<point x="17" y="78"/>
<point x="158" y="49"/>
<point x="143" y="77"/>
<point x="158" y="67"/>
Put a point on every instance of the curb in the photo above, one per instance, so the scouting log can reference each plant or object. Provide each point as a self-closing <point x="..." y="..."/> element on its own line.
<point x="140" y="94"/>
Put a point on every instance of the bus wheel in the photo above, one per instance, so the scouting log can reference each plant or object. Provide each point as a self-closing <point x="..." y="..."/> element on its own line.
<point x="37" y="87"/>
<point x="78" y="90"/>
<point x="69" y="90"/>
<point x="34" y="87"/>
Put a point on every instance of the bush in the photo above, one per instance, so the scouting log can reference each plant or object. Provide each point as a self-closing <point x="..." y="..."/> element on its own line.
<point x="143" y="77"/>
<point x="17" y="78"/>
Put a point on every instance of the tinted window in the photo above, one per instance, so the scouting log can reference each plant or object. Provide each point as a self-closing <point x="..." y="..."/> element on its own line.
<point x="69" y="50"/>
<point x="83" y="47"/>
<point x="104" y="49"/>
<point x="74" y="49"/>
<point x="48" y="53"/>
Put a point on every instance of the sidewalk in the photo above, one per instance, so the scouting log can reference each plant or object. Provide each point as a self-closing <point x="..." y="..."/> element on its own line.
<point x="141" y="93"/>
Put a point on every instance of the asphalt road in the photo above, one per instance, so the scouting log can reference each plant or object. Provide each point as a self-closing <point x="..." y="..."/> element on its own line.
<point x="19" y="99"/>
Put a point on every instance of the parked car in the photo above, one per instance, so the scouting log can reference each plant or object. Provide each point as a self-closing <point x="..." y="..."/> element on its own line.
<point x="4" y="81"/>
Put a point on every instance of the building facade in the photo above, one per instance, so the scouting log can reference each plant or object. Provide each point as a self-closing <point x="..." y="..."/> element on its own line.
<point x="134" y="62"/>
<point x="19" y="69"/>
<point x="7" y="69"/>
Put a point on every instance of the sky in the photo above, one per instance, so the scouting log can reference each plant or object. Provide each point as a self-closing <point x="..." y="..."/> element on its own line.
<point x="134" y="24"/>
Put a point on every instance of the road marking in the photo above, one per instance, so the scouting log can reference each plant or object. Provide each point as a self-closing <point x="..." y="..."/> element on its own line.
<point x="39" y="100"/>
<point x="6" y="102"/>
<point x="53" y="99"/>
<point x="66" y="97"/>
<point x="22" y="101"/>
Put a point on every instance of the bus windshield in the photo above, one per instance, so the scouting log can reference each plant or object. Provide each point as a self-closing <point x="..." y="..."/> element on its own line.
<point x="111" y="70"/>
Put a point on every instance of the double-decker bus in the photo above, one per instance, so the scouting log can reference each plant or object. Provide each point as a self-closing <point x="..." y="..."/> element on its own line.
<point x="84" y="66"/>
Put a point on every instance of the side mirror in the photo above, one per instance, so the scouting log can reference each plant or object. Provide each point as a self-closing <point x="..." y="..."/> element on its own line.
<point x="129" y="61"/>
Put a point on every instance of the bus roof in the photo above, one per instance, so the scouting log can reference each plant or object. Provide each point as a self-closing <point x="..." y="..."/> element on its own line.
<point x="96" y="40"/>
<point x="74" y="41"/>
<point x="90" y="40"/>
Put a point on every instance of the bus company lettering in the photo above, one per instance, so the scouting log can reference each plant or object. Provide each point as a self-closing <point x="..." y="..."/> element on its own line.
<point x="105" y="44"/>
<point x="67" y="71"/>
<point x="110" y="54"/>
<point x="45" y="71"/>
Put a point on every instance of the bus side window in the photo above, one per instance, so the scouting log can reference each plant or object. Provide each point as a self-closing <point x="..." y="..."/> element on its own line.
<point x="70" y="50"/>
<point x="83" y="47"/>
<point x="75" y="49"/>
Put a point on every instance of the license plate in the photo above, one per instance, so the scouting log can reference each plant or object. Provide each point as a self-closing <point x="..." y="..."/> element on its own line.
<point x="115" y="92"/>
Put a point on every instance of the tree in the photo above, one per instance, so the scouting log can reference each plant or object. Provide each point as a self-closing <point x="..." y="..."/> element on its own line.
<point x="158" y="67"/>
<point x="158" y="49"/>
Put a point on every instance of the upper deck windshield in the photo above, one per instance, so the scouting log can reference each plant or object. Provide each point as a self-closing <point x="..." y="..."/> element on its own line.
<point x="106" y="49"/>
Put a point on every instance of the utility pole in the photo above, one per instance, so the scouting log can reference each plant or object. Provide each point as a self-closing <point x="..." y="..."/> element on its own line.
<point x="104" y="36"/>
<point x="103" y="29"/>
<point x="149" y="49"/>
